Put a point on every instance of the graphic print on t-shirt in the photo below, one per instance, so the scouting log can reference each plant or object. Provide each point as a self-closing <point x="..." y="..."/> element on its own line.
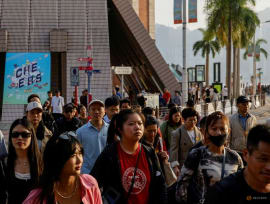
<point x="139" y="183"/>
<point x="140" y="190"/>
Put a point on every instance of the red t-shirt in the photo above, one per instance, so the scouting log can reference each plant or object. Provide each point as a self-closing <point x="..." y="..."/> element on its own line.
<point x="167" y="97"/>
<point x="140" y="191"/>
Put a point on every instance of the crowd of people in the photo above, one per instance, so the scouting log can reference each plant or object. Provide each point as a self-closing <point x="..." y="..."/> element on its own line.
<point x="113" y="152"/>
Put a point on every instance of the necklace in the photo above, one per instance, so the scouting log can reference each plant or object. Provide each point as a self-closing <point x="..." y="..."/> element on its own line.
<point x="72" y="194"/>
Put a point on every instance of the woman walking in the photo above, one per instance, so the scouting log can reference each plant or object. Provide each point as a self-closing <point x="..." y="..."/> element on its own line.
<point x="23" y="162"/>
<point x="61" y="181"/>
<point x="209" y="164"/>
<point x="128" y="171"/>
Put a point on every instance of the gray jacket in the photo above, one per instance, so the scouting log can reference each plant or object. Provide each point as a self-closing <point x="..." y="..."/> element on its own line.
<point x="238" y="137"/>
<point x="181" y="144"/>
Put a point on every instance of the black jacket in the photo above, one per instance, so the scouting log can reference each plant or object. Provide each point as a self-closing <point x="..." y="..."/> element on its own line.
<point x="3" y="182"/>
<point x="107" y="171"/>
<point x="234" y="190"/>
<point x="63" y="125"/>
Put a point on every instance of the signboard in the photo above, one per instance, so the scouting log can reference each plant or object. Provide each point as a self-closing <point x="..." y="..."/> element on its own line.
<point x="218" y="87"/>
<point x="217" y="72"/>
<point x="177" y="10"/>
<point x="25" y="74"/>
<point x="192" y="11"/>
<point x="200" y="73"/>
<point x="191" y="74"/>
<point x="123" y="70"/>
<point x="74" y="76"/>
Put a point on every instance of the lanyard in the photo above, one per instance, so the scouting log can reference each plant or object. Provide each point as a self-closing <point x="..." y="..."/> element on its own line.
<point x="223" y="165"/>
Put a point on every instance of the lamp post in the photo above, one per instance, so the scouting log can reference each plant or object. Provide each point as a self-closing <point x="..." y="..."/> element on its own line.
<point x="254" y="83"/>
<point x="185" y="80"/>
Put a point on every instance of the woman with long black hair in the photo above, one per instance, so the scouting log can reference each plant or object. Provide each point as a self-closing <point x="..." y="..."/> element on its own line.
<point x="61" y="181"/>
<point x="172" y="124"/>
<point x="23" y="162"/>
<point x="127" y="171"/>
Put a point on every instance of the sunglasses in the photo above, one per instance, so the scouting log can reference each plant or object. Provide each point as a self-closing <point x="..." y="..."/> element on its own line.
<point x="23" y="134"/>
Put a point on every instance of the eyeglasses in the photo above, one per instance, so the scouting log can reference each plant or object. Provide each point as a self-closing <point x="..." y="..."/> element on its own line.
<point x="66" y="135"/>
<point x="23" y="134"/>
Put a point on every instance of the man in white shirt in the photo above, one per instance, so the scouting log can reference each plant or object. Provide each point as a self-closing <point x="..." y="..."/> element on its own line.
<point x="57" y="105"/>
<point x="225" y="93"/>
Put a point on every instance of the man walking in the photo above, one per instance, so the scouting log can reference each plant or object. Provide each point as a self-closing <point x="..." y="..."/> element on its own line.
<point x="93" y="135"/>
<point x="240" y="124"/>
<point x="111" y="108"/>
<point x="252" y="184"/>
<point x="57" y="105"/>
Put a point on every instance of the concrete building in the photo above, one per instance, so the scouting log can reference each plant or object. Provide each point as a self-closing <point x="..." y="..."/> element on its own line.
<point x="65" y="28"/>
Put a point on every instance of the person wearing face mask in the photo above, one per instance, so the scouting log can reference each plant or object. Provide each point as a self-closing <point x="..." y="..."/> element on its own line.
<point x="208" y="164"/>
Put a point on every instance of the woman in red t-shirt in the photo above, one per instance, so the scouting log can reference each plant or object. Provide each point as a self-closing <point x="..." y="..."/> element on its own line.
<point x="117" y="164"/>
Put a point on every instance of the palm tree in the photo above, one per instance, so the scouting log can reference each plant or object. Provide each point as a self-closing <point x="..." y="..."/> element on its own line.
<point x="207" y="47"/>
<point x="244" y="27"/>
<point x="223" y="24"/>
<point x="258" y="43"/>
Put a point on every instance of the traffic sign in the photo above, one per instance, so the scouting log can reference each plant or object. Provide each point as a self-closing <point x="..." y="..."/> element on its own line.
<point x="74" y="76"/>
<point x="123" y="70"/>
<point x="86" y="68"/>
<point x="85" y="59"/>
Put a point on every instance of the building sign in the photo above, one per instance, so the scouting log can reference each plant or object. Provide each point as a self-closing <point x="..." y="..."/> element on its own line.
<point x="25" y="74"/>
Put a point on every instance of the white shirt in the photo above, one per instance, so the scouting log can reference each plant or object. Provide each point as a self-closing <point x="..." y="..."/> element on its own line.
<point x="57" y="104"/>
<point x="225" y="92"/>
<point x="192" y="136"/>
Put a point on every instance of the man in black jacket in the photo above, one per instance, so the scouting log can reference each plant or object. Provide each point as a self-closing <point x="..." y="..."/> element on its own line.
<point x="69" y="122"/>
<point x="251" y="185"/>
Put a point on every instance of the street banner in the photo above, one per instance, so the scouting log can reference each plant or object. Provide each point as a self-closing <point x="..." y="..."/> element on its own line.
<point x="178" y="11"/>
<point x="26" y="74"/>
<point x="257" y="51"/>
<point x="192" y="11"/>
<point x="250" y="50"/>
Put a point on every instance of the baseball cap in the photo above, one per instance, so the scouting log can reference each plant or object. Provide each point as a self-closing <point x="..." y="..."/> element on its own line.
<point x="68" y="107"/>
<point x="97" y="101"/>
<point x="242" y="99"/>
<point x="33" y="105"/>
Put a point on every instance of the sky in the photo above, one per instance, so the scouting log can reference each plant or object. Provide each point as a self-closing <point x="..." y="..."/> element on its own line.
<point x="173" y="53"/>
<point x="164" y="12"/>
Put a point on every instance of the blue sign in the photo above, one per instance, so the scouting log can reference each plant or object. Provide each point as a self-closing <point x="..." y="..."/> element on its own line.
<point x="25" y="74"/>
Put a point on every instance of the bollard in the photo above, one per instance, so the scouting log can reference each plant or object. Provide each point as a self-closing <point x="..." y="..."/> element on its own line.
<point x="157" y="112"/>
<point x="231" y="105"/>
<point x="223" y="106"/>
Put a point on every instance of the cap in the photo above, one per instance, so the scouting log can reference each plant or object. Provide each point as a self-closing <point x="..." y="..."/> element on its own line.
<point x="96" y="101"/>
<point x="242" y="99"/>
<point x="68" y="107"/>
<point x="33" y="105"/>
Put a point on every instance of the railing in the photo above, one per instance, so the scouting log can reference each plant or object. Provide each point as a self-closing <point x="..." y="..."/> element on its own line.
<point x="228" y="107"/>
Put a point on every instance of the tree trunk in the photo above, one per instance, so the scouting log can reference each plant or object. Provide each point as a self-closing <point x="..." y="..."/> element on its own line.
<point x="234" y="70"/>
<point x="228" y="60"/>
<point x="238" y="85"/>
<point x="207" y="70"/>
